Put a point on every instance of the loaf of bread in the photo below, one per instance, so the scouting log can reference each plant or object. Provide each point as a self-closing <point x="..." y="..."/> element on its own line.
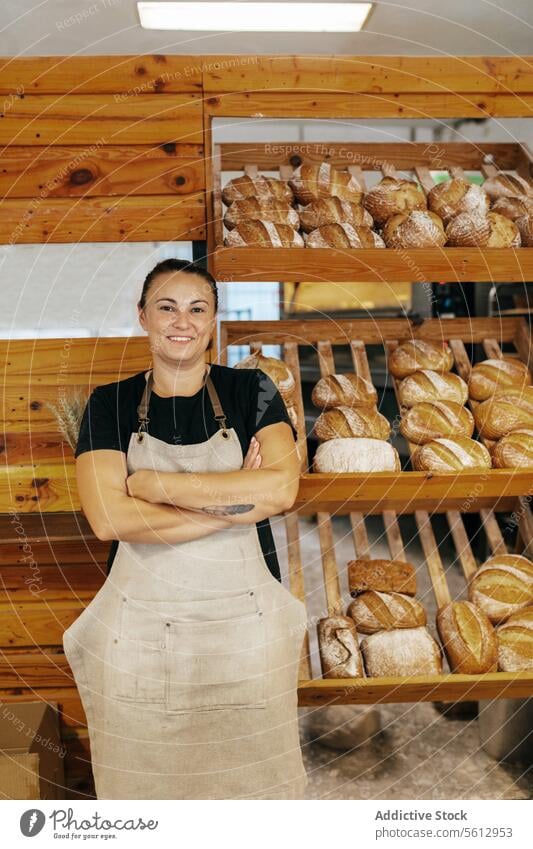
<point x="525" y="228"/>
<point x="263" y="188"/>
<point x="515" y="642"/>
<point x="507" y="185"/>
<point x="513" y="207"/>
<point x="356" y="455"/>
<point x="392" y="196"/>
<point x="505" y="411"/>
<point x="255" y="209"/>
<point x="333" y="210"/>
<point x="340" y="656"/>
<point x="468" y="638"/>
<point x="277" y="370"/>
<point x="376" y="611"/>
<point x="455" y="196"/>
<point x="502" y="586"/>
<point x="451" y="455"/>
<point x="386" y="576"/>
<point x="343" y="422"/>
<point x="417" y="354"/>
<point x="343" y="390"/>
<point x="402" y="652"/>
<point x="343" y="236"/>
<point x="514" y="451"/>
<point x="263" y="234"/>
<point x="472" y="230"/>
<point x="427" y="385"/>
<point x="436" y="420"/>
<point x="417" y="229"/>
<point x="496" y="375"/>
<point x="311" y="182"/>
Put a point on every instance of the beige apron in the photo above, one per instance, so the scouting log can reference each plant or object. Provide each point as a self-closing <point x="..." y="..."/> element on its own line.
<point x="186" y="660"/>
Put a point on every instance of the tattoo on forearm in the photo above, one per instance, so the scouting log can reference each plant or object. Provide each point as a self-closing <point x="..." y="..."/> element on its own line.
<point x="228" y="509"/>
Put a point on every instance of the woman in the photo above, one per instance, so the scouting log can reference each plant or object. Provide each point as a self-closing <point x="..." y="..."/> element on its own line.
<point x="186" y="660"/>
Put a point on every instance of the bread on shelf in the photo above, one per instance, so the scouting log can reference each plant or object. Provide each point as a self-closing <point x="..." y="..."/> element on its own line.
<point x="427" y="385"/>
<point x="417" y="229"/>
<point x="417" y="354"/>
<point x="392" y="196"/>
<point x="505" y="411"/>
<point x="515" y="642"/>
<point x="263" y="234"/>
<point x="436" y="419"/>
<point x="333" y="210"/>
<point x="514" y="451"/>
<point x="253" y="209"/>
<point x="513" y="207"/>
<point x="343" y="236"/>
<point x="472" y="229"/>
<point x="468" y="638"/>
<point x="347" y="390"/>
<point x="340" y="656"/>
<point x="502" y="586"/>
<point x="454" y="196"/>
<point x="276" y="369"/>
<point x="495" y="375"/>
<point x="387" y="576"/>
<point x="525" y="228"/>
<point x="507" y="185"/>
<point x="456" y="454"/>
<point x="378" y="611"/>
<point x="402" y="652"/>
<point x="311" y="182"/>
<point x="343" y="422"/>
<point x="263" y="188"/>
<point x="356" y="455"/>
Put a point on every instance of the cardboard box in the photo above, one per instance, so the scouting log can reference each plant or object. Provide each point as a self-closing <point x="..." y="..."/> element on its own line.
<point x="31" y="752"/>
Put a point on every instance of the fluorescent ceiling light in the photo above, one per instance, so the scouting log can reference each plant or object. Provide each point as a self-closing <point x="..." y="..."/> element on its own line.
<point x="255" y="17"/>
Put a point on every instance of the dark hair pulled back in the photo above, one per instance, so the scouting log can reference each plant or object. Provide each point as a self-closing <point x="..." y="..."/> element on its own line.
<point x="185" y="265"/>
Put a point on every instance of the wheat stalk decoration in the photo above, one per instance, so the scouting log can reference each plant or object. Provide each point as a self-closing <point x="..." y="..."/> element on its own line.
<point x="69" y="413"/>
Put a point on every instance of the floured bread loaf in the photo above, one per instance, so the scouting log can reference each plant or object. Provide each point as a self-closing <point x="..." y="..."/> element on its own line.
<point x="333" y="210"/>
<point x="417" y="229"/>
<point x="436" y="419"/>
<point x="507" y="185"/>
<point x="263" y="188"/>
<point x="356" y="455"/>
<point x="471" y="229"/>
<point x="515" y="642"/>
<point x="343" y="422"/>
<point x="263" y="234"/>
<point x="514" y="451"/>
<point x="387" y="576"/>
<point x="502" y="586"/>
<point x="468" y="638"/>
<point x="513" y="207"/>
<point x="267" y="210"/>
<point x="496" y="375"/>
<point x="276" y="369"/>
<point x="455" y="196"/>
<point x="427" y="385"/>
<point x="505" y="411"/>
<point x="344" y="236"/>
<point x="392" y="196"/>
<point x="346" y="390"/>
<point x="451" y="455"/>
<point x="376" y="611"/>
<point x="417" y="354"/>
<point x="340" y="656"/>
<point x="525" y="228"/>
<point x="402" y="652"/>
<point x="311" y="182"/>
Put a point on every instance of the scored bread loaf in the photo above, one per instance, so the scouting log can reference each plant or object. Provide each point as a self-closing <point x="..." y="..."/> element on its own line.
<point x="502" y="585"/>
<point x="356" y="455"/>
<point x="417" y="229"/>
<point x="472" y="229"/>
<point x="376" y="611"/>
<point x="333" y="210"/>
<point x="507" y="185"/>
<point x="343" y="236"/>
<point x="277" y="370"/>
<point x="387" y="576"/>
<point x="340" y="656"/>
<point x="455" y="196"/>
<point x="436" y="419"/>
<point x="514" y="451"/>
<point x="515" y="642"/>
<point x="417" y="354"/>
<point x="261" y="187"/>
<point x="525" y="228"/>
<point x="513" y="207"/>
<point x="342" y="422"/>
<point x="311" y="182"/>
<point x="392" y="196"/>
<point x="427" y="385"/>
<point x="451" y="455"/>
<point x="262" y="234"/>
<point x="249" y="209"/>
<point x="346" y="390"/>
<point x="496" y="375"/>
<point x="505" y="411"/>
<point x="468" y="638"/>
<point x="402" y="652"/>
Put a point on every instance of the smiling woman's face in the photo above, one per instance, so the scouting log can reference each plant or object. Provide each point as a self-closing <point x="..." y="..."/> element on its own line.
<point x="179" y="316"/>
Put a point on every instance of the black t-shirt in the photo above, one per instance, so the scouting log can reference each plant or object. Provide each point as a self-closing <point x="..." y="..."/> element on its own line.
<point x="250" y="401"/>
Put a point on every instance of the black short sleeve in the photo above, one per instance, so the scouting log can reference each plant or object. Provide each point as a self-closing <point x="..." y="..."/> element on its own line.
<point x="266" y="405"/>
<point x="99" y="426"/>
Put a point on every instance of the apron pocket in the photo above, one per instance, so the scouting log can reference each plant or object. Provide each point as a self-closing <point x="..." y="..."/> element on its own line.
<point x="136" y="660"/>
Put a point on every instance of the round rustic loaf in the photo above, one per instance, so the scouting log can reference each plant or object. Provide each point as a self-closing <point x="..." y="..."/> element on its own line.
<point x="277" y="370"/>
<point x="417" y="229"/>
<point x="525" y="228"/>
<point x="261" y="187"/>
<point x="376" y="611"/>
<point x="436" y="419"/>
<point x="417" y="354"/>
<point x="502" y="585"/>
<point x="355" y="455"/>
<point x="392" y="196"/>
<point x="451" y="455"/>
<point x="514" y="451"/>
<point x="468" y="638"/>
<point x="343" y="422"/>
<point x="262" y="234"/>
<point x="267" y="210"/>
<point x="340" y="656"/>
<point x="472" y="229"/>
<point x="427" y="385"/>
<point x="515" y="642"/>
<point x="343" y="390"/>
<point x="455" y="196"/>
<point x="401" y="652"/>
<point x="343" y="236"/>
<point x="507" y="185"/>
<point x="505" y="411"/>
<point x="333" y="210"/>
<point x="513" y="207"/>
<point x="311" y="182"/>
<point x="497" y="375"/>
